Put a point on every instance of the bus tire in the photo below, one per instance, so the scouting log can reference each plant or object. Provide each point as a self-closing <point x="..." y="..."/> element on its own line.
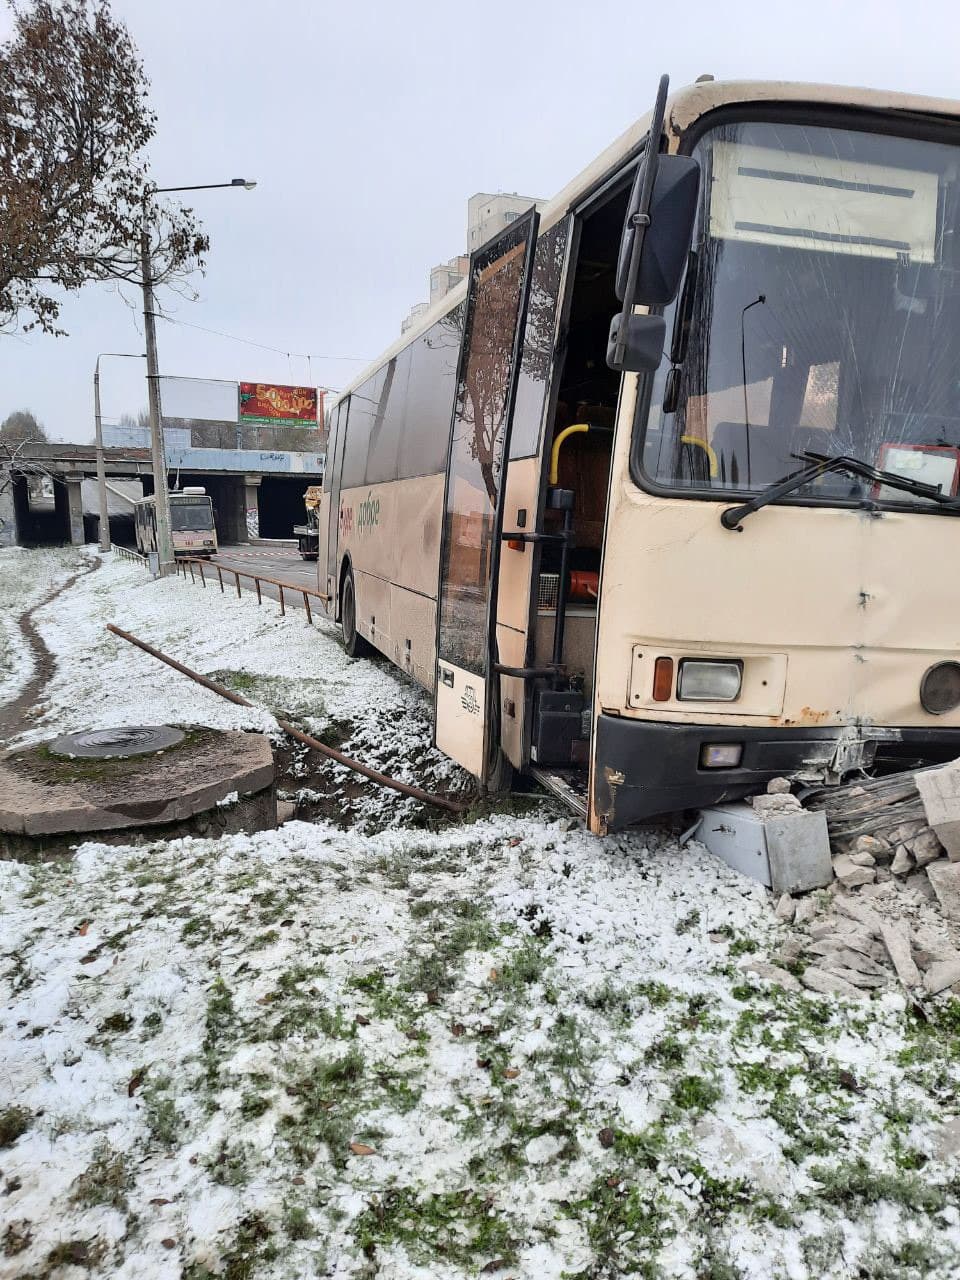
<point x="353" y="641"/>
<point x="499" y="773"/>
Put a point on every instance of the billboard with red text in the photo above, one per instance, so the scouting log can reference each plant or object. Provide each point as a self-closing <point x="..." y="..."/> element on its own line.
<point x="267" y="404"/>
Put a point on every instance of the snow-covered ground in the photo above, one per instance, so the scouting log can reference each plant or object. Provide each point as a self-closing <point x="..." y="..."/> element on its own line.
<point x="500" y="1047"/>
<point x="26" y="577"/>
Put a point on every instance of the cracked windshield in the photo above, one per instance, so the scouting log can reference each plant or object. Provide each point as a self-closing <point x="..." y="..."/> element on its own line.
<point x="819" y="313"/>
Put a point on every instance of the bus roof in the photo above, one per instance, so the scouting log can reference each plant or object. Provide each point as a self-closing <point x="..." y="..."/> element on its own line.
<point x="684" y="108"/>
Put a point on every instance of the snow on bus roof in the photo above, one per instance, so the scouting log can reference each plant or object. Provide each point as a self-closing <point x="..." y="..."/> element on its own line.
<point x="684" y="107"/>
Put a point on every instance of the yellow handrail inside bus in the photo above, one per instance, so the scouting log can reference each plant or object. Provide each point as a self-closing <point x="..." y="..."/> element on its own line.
<point x="711" y="454"/>
<point x="576" y="429"/>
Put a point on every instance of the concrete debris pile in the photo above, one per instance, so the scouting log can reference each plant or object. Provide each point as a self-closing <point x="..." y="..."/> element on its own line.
<point x="892" y="913"/>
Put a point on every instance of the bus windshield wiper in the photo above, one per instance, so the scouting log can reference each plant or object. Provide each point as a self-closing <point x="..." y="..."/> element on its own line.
<point x="821" y="464"/>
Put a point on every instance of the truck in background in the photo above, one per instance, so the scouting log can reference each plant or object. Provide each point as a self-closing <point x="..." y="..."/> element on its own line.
<point x="308" y="534"/>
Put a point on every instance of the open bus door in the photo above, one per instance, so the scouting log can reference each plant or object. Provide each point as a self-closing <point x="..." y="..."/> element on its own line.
<point x="499" y="286"/>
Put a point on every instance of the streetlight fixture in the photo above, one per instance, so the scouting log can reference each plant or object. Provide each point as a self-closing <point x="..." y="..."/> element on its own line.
<point x="166" y="564"/>
<point x="101" y="467"/>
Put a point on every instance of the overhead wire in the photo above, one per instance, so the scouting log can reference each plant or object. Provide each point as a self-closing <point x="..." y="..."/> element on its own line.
<point x="233" y="337"/>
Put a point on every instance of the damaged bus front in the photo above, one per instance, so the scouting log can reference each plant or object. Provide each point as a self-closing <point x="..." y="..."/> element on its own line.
<point x="777" y="594"/>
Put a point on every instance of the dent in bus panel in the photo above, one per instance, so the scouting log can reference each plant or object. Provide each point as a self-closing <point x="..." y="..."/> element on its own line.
<point x="826" y="309"/>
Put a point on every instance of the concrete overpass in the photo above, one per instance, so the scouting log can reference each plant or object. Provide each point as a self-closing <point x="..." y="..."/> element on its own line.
<point x="255" y="493"/>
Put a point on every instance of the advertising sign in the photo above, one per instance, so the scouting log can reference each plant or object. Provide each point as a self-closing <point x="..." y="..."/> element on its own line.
<point x="269" y="405"/>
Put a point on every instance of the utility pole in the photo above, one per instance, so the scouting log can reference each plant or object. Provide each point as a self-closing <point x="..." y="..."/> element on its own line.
<point x="166" y="564"/>
<point x="101" y="466"/>
<point x="104" y="522"/>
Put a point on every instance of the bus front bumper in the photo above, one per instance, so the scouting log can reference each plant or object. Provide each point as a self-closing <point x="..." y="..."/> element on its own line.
<point x="645" y="768"/>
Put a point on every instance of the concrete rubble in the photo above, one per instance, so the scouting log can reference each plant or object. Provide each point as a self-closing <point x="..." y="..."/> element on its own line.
<point x="891" y="916"/>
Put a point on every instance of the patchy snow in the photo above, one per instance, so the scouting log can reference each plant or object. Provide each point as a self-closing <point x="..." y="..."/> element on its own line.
<point x="297" y="669"/>
<point x="412" y="1054"/>
<point x="26" y="578"/>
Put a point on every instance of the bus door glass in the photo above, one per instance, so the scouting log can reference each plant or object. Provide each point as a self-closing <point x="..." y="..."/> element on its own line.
<point x="327" y="557"/>
<point x="520" y="560"/>
<point x="499" y="284"/>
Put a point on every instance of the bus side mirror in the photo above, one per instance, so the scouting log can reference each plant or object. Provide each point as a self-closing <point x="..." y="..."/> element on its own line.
<point x="649" y="270"/>
<point x="673" y="209"/>
<point x="643" y="349"/>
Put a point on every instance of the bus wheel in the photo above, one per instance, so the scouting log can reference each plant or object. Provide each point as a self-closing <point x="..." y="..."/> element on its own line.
<point x="499" y="773"/>
<point x="353" y="641"/>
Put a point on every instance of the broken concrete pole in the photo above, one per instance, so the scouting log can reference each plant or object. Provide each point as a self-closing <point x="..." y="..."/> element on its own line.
<point x="905" y="831"/>
<point x="806" y="910"/>
<point x="925" y="847"/>
<point x="772" y="973"/>
<point x="860" y="912"/>
<point x="829" y="984"/>
<point x="946" y="1139"/>
<point x="941" y="975"/>
<point x="862" y="859"/>
<point x="897" y="941"/>
<point x="786" y="908"/>
<point x="849" y="874"/>
<point x="902" y="861"/>
<point x="945" y="878"/>
<point x="856" y="977"/>
<point x="879" y="850"/>
<point x="777" y="803"/>
<point x="940" y="793"/>
<point x="791" y="949"/>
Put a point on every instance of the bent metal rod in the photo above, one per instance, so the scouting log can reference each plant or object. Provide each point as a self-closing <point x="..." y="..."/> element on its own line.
<point x="314" y="743"/>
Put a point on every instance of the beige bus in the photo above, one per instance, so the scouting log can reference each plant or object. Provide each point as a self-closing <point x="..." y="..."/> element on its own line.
<point x="192" y="528"/>
<point x="661" y="502"/>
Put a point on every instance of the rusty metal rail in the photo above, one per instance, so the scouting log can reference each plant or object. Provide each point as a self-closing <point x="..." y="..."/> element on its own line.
<point x="186" y="563"/>
<point x="440" y="802"/>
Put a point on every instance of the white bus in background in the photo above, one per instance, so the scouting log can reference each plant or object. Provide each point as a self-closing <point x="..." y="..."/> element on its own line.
<point x="192" y="526"/>
<point x="661" y="502"/>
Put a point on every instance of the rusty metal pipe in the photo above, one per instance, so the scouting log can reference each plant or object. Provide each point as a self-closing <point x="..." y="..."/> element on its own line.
<point x="315" y="744"/>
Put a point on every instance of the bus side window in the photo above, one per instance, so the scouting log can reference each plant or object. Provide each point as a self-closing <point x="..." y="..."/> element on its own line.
<point x="363" y="407"/>
<point x="429" y="400"/>
<point x="385" y="426"/>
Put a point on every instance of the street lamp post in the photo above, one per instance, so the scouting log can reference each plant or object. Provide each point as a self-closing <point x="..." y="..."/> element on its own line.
<point x="166" y="564"/>
<point x="101" y="466"/>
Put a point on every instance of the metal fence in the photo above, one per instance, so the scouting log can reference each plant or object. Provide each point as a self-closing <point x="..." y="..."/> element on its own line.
<point x="195" y="567"/>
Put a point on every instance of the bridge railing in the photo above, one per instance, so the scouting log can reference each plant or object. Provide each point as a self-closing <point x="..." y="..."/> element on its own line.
<point x="126" y="554"/>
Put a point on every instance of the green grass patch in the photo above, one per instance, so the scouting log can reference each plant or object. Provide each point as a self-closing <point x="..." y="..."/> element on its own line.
<point x="450" y="1227"/>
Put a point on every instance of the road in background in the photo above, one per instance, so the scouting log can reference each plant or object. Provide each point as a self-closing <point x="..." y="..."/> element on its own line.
<point x="281" y="562"/>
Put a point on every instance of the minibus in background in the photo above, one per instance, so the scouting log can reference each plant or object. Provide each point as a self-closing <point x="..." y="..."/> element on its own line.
<point x="192" y="528"/>
<point x="661" y="502"/>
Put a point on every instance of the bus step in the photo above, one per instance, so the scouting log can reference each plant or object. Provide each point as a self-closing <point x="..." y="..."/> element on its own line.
<point x="568" y="785"/>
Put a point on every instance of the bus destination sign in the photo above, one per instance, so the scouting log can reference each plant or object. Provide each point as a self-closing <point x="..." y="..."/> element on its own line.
<point x="270" y="405"/>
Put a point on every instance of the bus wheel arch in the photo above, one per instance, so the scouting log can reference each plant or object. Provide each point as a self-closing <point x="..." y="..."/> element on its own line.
<point x="353" y="641"/>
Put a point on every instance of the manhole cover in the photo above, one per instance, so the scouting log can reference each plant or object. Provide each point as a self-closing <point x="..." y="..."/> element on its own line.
<point x="126" y="740"/>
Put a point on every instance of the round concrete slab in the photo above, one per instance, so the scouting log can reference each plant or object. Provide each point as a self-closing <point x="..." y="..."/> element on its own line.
<point x="118" y="743"/>
<point x="43" y="795"/>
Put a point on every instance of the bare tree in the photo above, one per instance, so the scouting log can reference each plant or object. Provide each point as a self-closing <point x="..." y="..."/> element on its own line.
<point x="21" y="427"/>
<point x="74" y="122"/>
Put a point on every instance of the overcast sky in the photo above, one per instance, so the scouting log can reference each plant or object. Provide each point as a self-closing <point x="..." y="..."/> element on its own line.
<point x="368" y="123"/>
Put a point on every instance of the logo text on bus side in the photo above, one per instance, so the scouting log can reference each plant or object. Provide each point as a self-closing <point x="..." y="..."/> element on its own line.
<point x="367" y="517"/>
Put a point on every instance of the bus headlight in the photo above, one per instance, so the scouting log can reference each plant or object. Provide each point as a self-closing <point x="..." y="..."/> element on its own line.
<point x="705" y="680"/>
<point x="940" y="688"/>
